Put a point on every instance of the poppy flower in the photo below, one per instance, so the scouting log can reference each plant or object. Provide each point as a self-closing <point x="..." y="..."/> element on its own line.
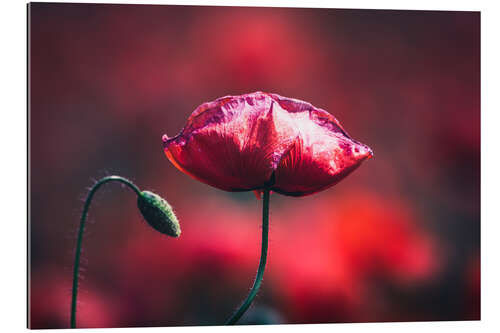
<point x="262" y="140"/>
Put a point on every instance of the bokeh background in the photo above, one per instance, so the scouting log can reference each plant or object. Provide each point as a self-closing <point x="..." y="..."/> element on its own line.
<point x="398" y="240"/>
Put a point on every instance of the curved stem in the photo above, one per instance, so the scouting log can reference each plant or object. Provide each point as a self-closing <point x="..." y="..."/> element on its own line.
<point x="262" y="264"/>
<point x="80" y="235"/>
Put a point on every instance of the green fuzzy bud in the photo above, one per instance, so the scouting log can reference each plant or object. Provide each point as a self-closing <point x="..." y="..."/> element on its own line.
<point x="158" y="213"/>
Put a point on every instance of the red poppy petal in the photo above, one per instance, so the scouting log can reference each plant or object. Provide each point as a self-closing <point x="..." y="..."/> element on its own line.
<point x="315" y="114"/>
<point x="321" y="155"/>
<point x="258" y="194"/>
<point x="233" y="143"/>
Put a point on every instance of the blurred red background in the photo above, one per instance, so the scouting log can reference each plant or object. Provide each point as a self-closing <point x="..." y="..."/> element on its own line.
<point x="397" y="240"/>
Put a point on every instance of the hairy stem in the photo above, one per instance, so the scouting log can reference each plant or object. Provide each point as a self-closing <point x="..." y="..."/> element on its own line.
<point x="262" y="264"/>
<point x="76" y="266"/>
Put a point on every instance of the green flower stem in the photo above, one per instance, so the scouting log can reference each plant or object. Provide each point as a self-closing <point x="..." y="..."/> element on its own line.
<point x="262" y="264"/>
<point x="80" y="235"/>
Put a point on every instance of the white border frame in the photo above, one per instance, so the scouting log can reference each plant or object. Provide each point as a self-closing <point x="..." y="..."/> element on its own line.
<point x="14" y="165"/>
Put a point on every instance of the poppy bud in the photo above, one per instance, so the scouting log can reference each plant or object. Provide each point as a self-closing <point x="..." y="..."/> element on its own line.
<point x="158" y="213"/>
